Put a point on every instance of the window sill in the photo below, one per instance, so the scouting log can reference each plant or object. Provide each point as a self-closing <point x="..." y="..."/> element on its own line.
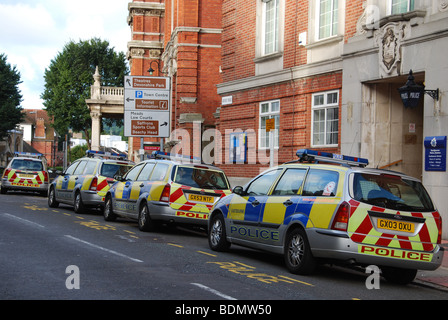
<point x="326" y="41"/>
<point x="269" y="57"/>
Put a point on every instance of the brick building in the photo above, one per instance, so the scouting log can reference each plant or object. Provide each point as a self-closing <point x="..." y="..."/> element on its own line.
<point x="282" y="61"/>
<point x="180" y="39"/>
<point x="41" y="136"/>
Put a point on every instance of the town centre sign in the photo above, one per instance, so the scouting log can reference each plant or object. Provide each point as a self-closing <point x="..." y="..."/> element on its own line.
<point x="147" y="106"/>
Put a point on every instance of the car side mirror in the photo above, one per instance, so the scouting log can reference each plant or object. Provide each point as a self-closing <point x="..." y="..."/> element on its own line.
<point x="239" y="191"/>
<point x="118" y="177"/>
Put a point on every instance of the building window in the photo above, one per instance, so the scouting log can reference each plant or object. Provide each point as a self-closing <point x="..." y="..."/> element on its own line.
<point x="328" y="12"/>
<point x="271" y="18"/>
<point x="325" y="118"/>
<point x="401" y="6"/>
<point x="269" y="110"/>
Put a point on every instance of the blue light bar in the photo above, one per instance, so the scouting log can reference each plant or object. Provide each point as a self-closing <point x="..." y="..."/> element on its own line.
<point x="106" y="154"/>
<point x="310" y="155"/>
<point x="27" y="154"/>
<point x="172" y="156"/>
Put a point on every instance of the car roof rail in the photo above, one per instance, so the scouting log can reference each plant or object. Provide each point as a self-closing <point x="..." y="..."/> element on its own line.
<point x="106" y="155"/>
<point x="313" y="156"/>
<point x="174" y="157"/>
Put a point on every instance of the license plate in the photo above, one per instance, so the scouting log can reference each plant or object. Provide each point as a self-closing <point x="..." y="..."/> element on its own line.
<point x="393" y="225"/>
<point x="21" y="175"/>
<point x="201" y="198"/>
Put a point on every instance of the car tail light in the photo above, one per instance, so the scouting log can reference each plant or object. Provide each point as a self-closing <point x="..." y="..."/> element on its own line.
<point x="7" y="171"/>
<point x="46" y="178"/>
<point x="340" y="221"/>
<point x="93" y="184"/>
<point x="438" y="219"/>
<point x="165" y="196"/>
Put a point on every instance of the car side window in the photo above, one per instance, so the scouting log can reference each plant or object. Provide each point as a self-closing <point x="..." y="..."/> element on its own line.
<point x="90" y="167"/>
<point x="80" y="168"/>
<point x="263" y="183"/>
<point x="321" y="183"/>
<point x="146" y="172"/>
<point x="290" y="183"/>
<point x="71" y="168"/>
<point x="133" y="173"/>
<point x="159" y="172"/>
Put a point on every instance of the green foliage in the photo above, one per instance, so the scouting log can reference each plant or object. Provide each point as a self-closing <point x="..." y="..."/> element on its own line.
<point x="77" y="152"/>
<point x="69" y="77"/>
<point x="10" y="97"/>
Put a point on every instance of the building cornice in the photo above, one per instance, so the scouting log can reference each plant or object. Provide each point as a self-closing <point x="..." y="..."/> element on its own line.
<point x="290" y="74"/>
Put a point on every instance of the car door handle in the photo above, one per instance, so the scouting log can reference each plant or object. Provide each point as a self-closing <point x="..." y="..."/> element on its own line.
<point x="287" y="203"/>
<point x="142" y="185"/>
<point x="255" y="203"/>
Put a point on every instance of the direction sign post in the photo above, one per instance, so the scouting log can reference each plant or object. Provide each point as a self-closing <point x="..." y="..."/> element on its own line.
<point x="147" y="106"/>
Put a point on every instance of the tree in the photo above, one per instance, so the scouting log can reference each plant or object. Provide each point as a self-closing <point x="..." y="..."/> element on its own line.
<point x="69" y="77"/>
<point x="10" y="97"/>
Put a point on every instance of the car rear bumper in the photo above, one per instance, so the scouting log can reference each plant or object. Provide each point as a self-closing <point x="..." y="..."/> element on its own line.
<point x="337" y="245"/>
<point x="25" y="186"/>
<point x="91" y="198"/>
<point x="161" y="211"/>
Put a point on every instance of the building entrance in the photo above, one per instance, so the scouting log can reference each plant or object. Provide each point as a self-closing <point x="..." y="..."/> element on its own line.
<point x="391" y="135"/>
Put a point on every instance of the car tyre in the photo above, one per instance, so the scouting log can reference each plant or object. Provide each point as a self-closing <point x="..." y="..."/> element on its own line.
<point x="78" y="205"/>
<point x="399" y="275"/>
<point x="217" y="237"/>
<point x="297" y="253"/>
<point x="144" y="220"/>
<point x="108" y="212"/>
<point x="52" y="203"/>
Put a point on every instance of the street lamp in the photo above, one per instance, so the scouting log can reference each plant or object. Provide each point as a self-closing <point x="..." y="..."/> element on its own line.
<point x="151" y="70"/>
<point x="411" y="93"/>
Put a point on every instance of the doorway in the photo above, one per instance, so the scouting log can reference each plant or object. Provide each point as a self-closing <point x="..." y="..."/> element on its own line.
<point x="392" y="135"/>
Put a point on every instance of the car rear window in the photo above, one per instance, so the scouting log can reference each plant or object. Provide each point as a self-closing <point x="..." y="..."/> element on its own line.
<point x="114" y="169"/>
<point x="200" y="177"/>
<point x="391" y="192"/>
<point x="23" y="164"/>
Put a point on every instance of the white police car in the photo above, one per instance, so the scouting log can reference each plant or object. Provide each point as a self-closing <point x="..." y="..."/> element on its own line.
<point x="309" y="211"/>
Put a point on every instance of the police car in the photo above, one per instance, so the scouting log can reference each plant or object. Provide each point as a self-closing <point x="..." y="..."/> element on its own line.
<point x="309" y="211"/>
<point x="166" y="189"/>
<point x="26" y="172"/>
<point x="86" y="181"/>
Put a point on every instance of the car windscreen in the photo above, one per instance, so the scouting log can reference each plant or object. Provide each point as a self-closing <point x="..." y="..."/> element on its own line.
<point x="114" y="169"/>
<point x="391" y="191"/>
<point x="201" y="177"/>
<point x="24" y="164"/>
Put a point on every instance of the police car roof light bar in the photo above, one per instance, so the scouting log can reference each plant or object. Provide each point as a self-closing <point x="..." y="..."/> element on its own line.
<point x="28" y="154"/>
<point x="174" y="156"/>
<point x="109" y="155"/>
<point x="313" y="155"/>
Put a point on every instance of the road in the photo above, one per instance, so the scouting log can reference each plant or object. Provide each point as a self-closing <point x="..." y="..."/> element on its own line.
<point x="57" y="254"/>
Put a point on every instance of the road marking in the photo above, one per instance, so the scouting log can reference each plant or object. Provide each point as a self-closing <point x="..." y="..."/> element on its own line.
<point x="175" y="245"/>
<point x="24" y="220"/>
<point x="206" y="253"/>
<point x="305" y="283"/>
<point x="216" y="292"/>
<point x="104" y="249"/>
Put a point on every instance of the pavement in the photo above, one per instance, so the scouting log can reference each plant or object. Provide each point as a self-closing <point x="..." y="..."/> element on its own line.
<point x="438" y="278"/>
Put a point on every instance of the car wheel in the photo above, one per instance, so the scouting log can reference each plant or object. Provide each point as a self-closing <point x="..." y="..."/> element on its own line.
<point x="298" y="256"/>
<point x="399" y="275"/>
<point x="217" y="234"/>
<point x="108" y="212"/>
<point x="52" y="203"/>
<point x="144" y="220"/>
<point x="78" y="205"/>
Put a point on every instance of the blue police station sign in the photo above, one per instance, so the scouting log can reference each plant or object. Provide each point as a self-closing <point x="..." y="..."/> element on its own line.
<point x="435" y="153"/>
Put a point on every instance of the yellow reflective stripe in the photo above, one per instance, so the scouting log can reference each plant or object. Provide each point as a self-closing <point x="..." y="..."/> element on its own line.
<point x="274" y="210"/>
